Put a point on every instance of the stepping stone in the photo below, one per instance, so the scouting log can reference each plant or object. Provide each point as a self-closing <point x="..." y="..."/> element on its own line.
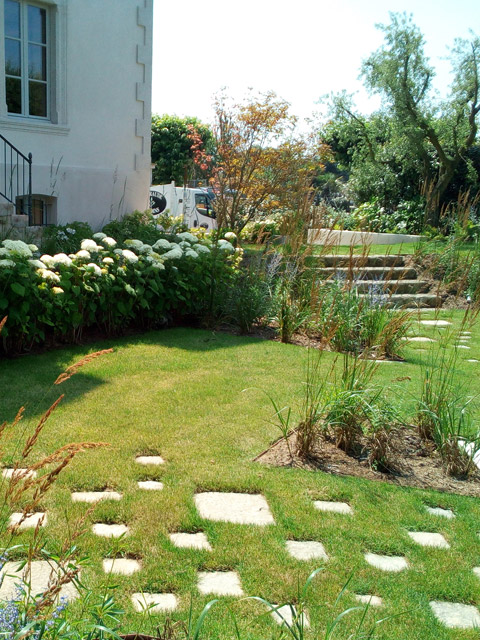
<point x="473" y="360"/>
<point x="287" y="614"/>
<point x="373" y="601"/>
<point x="121" y="566"/>
<point x="469" y="448"/>
<point x="30" y="522"/>
<point x="241" y="508"/>
<point x="306" y="549"/>
<point x="220" y="583"/>
<point x="95" y="496"/>
<point x="455" y="615"/>
<point x="436" y="323"/>
<point x="419" y="339"/>
<point x="109" y="530"/>
<point x="465" y="338"/>
<point x="150" y="485"/>
<point x="156" y="460"/>
<point x="18" y="473"/>
<point x="476" y="571"/>
<point x="438" y="511"/>
<point x="461" y="346"/>
<point x="40" y="573"/>
<point x="154" y="602"/>
<point x="336" y="507"/>
<point x="426" y="539"/>
<point x="386" y="563"/>
<point x="190" y="540"/>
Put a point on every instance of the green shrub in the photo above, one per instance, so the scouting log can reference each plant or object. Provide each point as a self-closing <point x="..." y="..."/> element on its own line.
<point x="109" y="286"/>
<point x="65" y="238"/>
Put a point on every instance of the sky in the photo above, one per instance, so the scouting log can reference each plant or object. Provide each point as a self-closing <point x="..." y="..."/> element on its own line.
<point x="300" y="49"/>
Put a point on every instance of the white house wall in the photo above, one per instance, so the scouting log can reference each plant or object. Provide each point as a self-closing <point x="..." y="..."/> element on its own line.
<point x="95" y="155"/>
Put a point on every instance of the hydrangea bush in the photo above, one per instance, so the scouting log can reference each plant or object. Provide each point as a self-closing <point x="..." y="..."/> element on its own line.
<point x="110" y="285"/>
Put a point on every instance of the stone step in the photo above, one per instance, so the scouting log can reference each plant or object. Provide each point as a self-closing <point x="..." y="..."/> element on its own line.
<point x="392" y="286"/>
<point x="369" y="273"/>
<point x="360" y="260"/>
<point x="412" y="300"/>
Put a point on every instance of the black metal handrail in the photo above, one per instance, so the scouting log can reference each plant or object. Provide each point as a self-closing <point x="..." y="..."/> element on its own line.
<point x="16" y="177"/>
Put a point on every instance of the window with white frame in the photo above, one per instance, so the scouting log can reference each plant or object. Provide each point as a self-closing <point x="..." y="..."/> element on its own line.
<point x="26" y="58"/>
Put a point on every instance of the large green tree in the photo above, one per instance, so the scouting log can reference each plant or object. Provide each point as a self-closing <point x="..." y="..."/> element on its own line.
<point x="421" y="135"/>
<point x="174" y="141"/>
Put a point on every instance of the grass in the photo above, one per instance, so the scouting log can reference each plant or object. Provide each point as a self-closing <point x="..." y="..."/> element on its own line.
<point x="179" y="393"/>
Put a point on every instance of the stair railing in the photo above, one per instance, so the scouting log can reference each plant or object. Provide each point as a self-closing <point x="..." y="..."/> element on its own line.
<point x="16" y="177"/>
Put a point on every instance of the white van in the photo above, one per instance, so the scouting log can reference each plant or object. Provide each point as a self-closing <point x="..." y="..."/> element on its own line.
<point x="194" y="205"/>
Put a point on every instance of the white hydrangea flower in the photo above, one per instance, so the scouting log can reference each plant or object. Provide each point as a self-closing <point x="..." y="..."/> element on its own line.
<point x="146" y="249"/>
<point x="225" y="246"/>
<point x="4" y="252"/>
<point x="70" y="231"/>
<point x="189" y="237"/>
<point x="129" y="256"/>
<point x="162" y="244"/>
<point x="201" y="248"/>
<point x="7" y="263"/>
<point x="230" y="236"/>
<point x="47" y="260"/>
<point x="37" y="264"/>
<point x="135" y="244"/>
<point x="90" y="245"/>
<point x="108" y="260"/>
<point x="49" y="275"/>
<point x="57" y="290"/>
<point x="99" y="235"/>
<point x="19" y="247"/>
<point x="33" y="247"/>
<point x="158" y="265"/>
<point x="94" y="268"/>
<point x="108" y="242"/>
<point x="83" y="254"/>
<point x="119" y="252"/>
<point x="173" y="254"/>
<point x="61" y="258"/>
<point x="190" y="253"/>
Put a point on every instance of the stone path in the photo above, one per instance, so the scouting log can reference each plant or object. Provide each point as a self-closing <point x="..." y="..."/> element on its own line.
<point x="287" y="614"/>
<point x="237" y="508"/>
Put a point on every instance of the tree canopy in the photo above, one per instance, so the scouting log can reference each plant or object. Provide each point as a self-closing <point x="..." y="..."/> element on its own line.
<point x="172" y="152"/>
<point x="415" y="142"/>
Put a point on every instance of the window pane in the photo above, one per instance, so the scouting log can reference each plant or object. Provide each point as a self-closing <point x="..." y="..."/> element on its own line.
<point x="14" y="95"/>
<point x="37" y="62"/>
<point x="12" y="19"/>
<point x="37" y="24"/>
<point x="37" y="95"/>
<point x="12" y="57"/>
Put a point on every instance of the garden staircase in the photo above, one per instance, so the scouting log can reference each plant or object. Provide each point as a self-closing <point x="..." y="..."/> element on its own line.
<point x="385" y="276"/>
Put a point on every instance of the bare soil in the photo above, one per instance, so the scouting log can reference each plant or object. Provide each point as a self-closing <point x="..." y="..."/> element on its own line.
<point x="415" y="463"/>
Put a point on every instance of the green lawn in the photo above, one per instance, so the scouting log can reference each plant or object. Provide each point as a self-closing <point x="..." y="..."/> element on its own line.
<point x="180" y="393"/>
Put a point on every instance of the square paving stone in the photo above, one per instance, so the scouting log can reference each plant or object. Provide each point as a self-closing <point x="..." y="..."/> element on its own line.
<point x="95" y="496"/>
<point x="40" y="573"/>
<point x="150" y="485"/>
<point x="336" y="507"/>
<point x="30" y="522"/>
<point x="418" y="339"/>
<point x="121" y="566"/>
<point x="427" y="539"/>
<point x="306" y="549"/>
<point x="220" y="583"/>
<point x="154" y="602"/>
<point x="476" y="571"/>
<point x="372" y="601"/>
<point x="18" y="473"/>
<point x="438" y="511"/>
<point x="109" y="530"/>
<point x="241" y="508"/>
<point x="155" y="460"/>
<point x="190" y="540"/>
<point x="455" y="615"/>
<point x="386" y="563"/>
<point x="473" y="360"/>
<point x="462" y="346"/>
<point x="286" y="614"/>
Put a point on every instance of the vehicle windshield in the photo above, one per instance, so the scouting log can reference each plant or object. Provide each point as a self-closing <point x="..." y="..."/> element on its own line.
<point x="203" y="204"/>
